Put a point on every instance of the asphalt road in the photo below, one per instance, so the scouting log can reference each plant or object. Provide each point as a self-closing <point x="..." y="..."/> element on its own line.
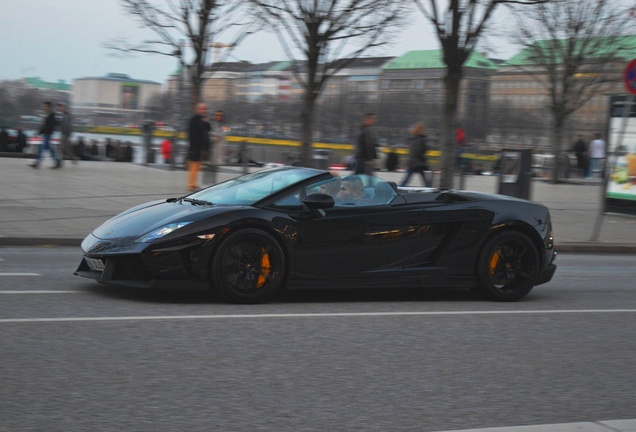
<point x="79" y="356"/>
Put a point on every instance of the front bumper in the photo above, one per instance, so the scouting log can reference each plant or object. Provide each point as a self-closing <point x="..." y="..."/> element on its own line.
<point x="116" y="270"/>
<point x="140" y="265"/>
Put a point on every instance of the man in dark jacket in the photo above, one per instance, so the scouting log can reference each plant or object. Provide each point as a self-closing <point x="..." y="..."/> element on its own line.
<point x="366" y="146"/>
<point x="47" y="129"/>
<point x="4" y="140"/>
<point x="21" y="141"/>
<point x="580" y="151"/>
<point x="199" y="144"/>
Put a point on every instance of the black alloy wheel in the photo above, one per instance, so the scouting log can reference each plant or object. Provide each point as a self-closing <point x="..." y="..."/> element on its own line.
<point x="249" y="267"/>
<point x="508" y="267"/>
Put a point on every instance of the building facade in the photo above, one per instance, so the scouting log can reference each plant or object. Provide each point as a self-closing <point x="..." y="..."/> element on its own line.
<point x="520" y="97"/>
<point x="115" y="96"/>
<point x="412" y="90"/>
<point x="502" y="103"/>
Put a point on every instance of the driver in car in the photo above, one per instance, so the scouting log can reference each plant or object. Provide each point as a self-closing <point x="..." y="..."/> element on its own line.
<point x="351" y="191"/>
<point x="331" y="187"/>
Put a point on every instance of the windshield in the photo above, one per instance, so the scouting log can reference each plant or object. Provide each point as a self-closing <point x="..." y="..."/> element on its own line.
<point x="250" y="188"/>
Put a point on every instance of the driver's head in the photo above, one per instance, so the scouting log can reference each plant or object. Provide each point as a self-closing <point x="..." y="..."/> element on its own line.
<point x="351" y="189"/>
<point x="332" y="187"/>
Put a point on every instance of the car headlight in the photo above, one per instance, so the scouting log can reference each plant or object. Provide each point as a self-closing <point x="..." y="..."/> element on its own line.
<point x="160" y="232"/>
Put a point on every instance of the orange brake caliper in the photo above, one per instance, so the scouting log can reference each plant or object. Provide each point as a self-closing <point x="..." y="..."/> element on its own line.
<point x="494" y="260"/>
<point x="266" y="269"/>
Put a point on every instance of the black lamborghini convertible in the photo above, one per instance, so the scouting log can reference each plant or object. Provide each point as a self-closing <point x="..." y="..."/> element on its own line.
<point x="254" y="235"/>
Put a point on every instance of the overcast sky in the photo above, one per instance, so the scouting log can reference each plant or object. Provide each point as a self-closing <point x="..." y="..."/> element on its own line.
<point x="63" y="40"/>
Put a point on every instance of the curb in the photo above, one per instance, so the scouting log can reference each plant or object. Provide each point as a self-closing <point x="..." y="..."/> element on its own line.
<point x="590" y="247"/>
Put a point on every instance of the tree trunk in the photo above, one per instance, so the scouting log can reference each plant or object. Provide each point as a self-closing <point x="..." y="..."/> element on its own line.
<point x="195" y="93"/>
<point x="556" y="149"/>
<point x="449" y="145"/>
<point x="307" y="119"/>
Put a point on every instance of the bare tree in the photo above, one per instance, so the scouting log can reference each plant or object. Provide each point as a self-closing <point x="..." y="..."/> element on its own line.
<point x="161" y="106"/>
<point x="330" y="34"/>
<point x="28" y="101"/>
<point x="572" y="49"/>
<point x="8" y="112"/>
<point x="459" y="28"/>
<point x="512" y="124"/>
<point x="18" y="99"/>
<point x="184" y="29"/>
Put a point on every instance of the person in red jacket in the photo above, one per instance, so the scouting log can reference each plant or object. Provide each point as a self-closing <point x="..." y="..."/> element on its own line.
<point x="166" y="151"/>
<point x="460" y="138"/>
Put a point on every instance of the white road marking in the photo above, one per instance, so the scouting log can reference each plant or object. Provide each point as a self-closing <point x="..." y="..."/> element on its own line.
<point x="20" y="274"/>
<point x="41" y="292"/>
<point x="311" y="315"/>
<point x="597" y="426"/>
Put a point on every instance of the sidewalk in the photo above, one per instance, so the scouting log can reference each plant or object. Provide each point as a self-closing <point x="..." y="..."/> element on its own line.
<point x="46" y="206"/>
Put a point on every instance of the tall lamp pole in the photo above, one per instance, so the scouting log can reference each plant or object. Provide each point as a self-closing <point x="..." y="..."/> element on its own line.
<point x="178" y="104"/>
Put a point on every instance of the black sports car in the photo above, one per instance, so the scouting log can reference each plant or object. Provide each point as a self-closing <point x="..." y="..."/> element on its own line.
<point x="251" y="236"/>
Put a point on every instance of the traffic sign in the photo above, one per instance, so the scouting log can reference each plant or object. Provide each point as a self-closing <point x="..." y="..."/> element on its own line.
<point x="629" y="77"/>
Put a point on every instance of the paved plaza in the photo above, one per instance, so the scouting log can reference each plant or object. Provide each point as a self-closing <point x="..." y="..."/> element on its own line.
<point x="61" y="206"/>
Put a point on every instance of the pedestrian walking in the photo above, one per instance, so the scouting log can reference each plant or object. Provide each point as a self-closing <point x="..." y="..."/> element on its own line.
<point x="4" y="140"/>
<point x="597" y="156"/>
<point x="149" y="130"/>
<point x="460" y="139"/>
<point x="217" y="151"/>
<point x="66" y="148"/>
<point x="417" y="153"/>
<point x="81" y="151"/>
<point x="580" y="151"/>
<point x="47" y="129"/>
<point x="166" y="151"/>
<point x="366" y="144"/>
<point x="21" y="141"/>
<point x="199" y="144"/>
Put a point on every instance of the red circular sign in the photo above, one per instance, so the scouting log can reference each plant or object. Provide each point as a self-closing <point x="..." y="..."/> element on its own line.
<point x="629" y="77"/>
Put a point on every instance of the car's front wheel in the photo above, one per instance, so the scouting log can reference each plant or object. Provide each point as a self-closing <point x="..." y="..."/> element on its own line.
<point x="249" y="267"/>
<point x="508" y="267"/>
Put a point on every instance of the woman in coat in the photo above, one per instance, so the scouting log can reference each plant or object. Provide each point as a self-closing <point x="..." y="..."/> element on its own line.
<point x="417" y="153"/>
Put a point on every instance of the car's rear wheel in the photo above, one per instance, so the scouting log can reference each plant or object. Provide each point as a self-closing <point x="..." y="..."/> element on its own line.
<point x="249" y="267"/>
<point x="508" y="267"/>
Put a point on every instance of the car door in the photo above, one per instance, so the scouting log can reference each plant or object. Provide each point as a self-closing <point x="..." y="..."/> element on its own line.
<point x="360" y="242"/>
<point x="445" y="237"/>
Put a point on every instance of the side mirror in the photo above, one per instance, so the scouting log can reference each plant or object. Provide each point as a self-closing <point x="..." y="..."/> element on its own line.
<point x="317" y="202"/>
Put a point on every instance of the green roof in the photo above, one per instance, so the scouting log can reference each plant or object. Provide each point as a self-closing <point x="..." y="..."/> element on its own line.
<point x="433" y="59"/>
<point x="627" y="50"/>
<point x="38" y="83"/>
<point x="282" y="65"/>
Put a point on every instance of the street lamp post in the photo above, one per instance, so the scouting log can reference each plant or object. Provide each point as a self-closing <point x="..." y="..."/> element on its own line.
<point x="178" y="105"/>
